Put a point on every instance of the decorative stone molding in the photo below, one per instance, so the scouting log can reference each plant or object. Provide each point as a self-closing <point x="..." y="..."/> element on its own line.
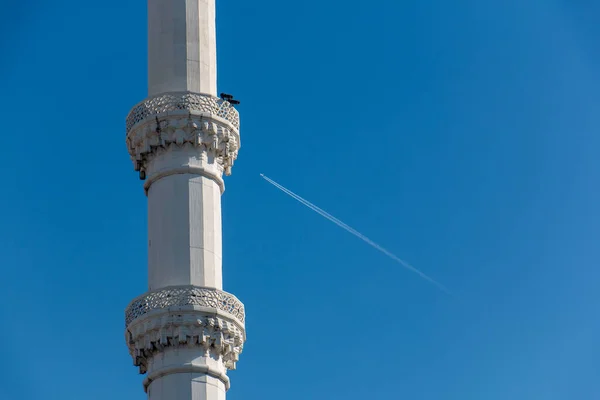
<point x="178" y="296"/>
<point x="182" y="101"/>
<point x="185" y="316"/>
<point x="187" y="369"/>
<point x="216" y="336"/>
<point x="180" y="118"/>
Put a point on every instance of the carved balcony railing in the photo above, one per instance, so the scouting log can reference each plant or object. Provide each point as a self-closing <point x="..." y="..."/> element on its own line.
<point x="181" y="296"/>
<point x="182" y="101"/>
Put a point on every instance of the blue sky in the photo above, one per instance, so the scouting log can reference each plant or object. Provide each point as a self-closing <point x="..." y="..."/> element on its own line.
<point x="461" y="136"/>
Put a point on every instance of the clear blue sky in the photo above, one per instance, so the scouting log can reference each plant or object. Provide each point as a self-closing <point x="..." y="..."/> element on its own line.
<point x="462" y="136"/>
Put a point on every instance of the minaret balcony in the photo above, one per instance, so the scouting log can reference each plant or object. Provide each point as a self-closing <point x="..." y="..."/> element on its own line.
<point x="184" y="317"/>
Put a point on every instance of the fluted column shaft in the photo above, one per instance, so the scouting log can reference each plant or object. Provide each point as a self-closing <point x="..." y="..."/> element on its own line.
<point x="182" y="46"/>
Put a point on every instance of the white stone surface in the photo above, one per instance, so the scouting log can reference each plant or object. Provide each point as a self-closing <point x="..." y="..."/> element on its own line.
<point x="184" y="223"/>
<point x="187" y="386"/>
<point x="182" y="46"/>
<point x="176" y="383"/>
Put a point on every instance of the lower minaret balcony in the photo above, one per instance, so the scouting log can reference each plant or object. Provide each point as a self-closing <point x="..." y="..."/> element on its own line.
<point x="186" y="317"/>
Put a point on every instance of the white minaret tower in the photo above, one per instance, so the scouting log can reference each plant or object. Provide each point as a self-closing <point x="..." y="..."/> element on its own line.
<point x="185" y="332"/>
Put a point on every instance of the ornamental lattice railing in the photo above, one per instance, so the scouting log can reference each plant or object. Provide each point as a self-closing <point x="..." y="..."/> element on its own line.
<point x="182" y="101"/>
<point x="185" y="296"/>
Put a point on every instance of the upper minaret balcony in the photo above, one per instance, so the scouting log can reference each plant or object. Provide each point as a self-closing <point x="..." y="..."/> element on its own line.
<point x="203" y="121"/>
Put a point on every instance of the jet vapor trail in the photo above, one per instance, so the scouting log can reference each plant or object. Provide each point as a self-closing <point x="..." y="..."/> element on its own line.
<point x="354" y="232"/>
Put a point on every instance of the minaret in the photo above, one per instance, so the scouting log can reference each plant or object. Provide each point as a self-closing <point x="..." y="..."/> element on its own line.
<point x="185" y="332"/>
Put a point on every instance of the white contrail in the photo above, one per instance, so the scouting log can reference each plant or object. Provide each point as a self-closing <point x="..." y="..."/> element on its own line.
<point x="354" y="232"/>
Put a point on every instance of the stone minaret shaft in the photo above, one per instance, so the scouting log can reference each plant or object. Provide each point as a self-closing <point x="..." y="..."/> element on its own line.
<point x="185" y="332"/>
<point x="182" y="46"/>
